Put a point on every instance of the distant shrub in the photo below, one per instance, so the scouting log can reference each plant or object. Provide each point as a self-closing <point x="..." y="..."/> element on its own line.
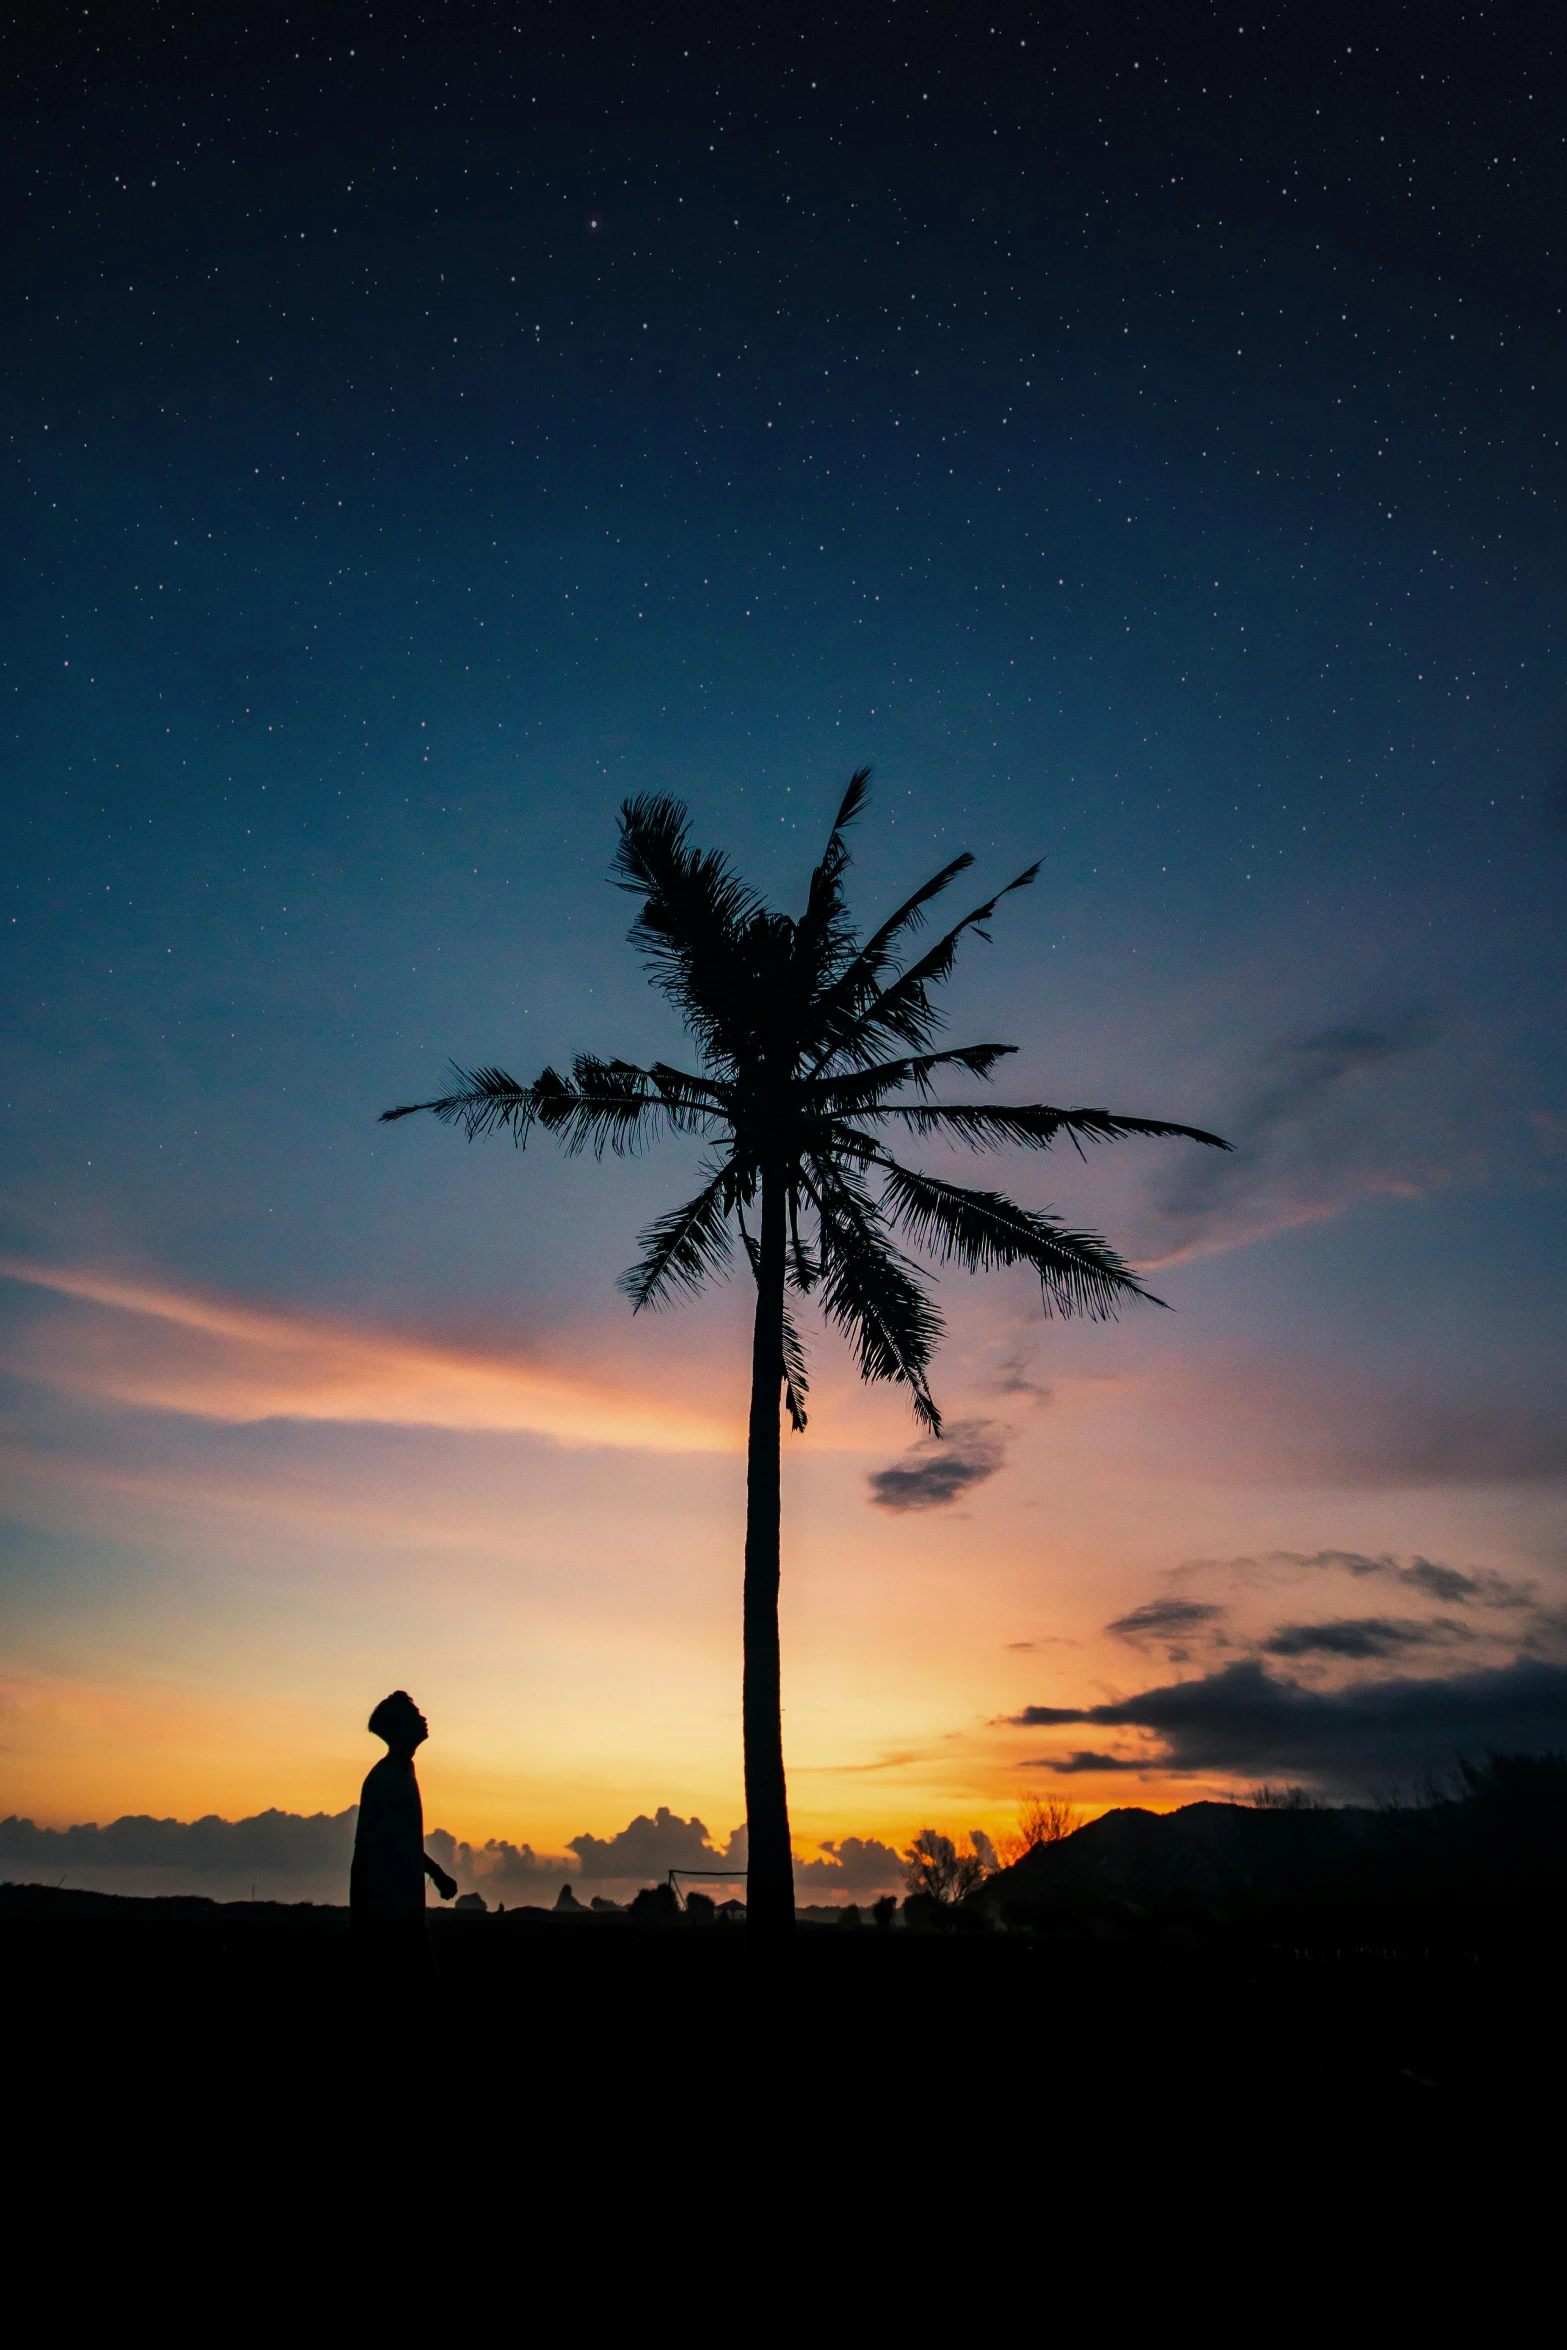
<point x="883" y="1912"/>
<point x="924" y="1914"/>
<point x="935" y="1870"/>
<point x="1529" y="1787"/>
<point x="1041" y="1819"/>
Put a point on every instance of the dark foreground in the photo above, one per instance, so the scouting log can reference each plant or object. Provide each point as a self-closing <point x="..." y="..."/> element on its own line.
<point x="575" y="2071"/>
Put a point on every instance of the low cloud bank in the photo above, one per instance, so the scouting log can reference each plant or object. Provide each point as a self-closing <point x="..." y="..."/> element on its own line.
<point x="284" y="1856"/>
<point x="1248" y="1722"/>
<point x="497" y="1869"/>
<point x="650" y="1848"/>
<point x="848" y="1869"/>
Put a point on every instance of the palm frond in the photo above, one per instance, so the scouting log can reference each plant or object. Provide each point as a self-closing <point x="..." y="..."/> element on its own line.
<point x="803" y="1270"/>
<point x="485" y="1100"/>
<point x="796" y="1382"/>
<point x="870" y="1290"/>
<point x="694" y="911"/>
<point x="985" y="1126"/>
<point x="610" y="1105"/>
<point x="1079" y="1272"/>
<point x="864" y="974"/>
<point x="694" y="1092"/>
<point x="681" y="1249"/>
<point x="603" y="1105"/>
<point x="904" y="1009"/>
<point x="824" y="936"/>
<point x="859" y="1093"/>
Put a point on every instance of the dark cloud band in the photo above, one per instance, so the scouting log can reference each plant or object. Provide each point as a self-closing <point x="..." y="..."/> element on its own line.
<point x="1249" y="1722"/>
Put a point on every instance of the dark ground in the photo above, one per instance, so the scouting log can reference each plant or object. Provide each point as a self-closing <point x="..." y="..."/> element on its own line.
<point x="591" y="2068"/>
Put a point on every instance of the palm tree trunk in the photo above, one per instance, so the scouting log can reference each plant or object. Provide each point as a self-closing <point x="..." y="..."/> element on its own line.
<point x="770" y="1886"/>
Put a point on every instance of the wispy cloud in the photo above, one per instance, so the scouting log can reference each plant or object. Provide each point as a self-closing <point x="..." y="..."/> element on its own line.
<point x="939" y="1469"/>
<point x="1431" y="1578"/>
<point x="1164" y="1619"/>
<point x="178" y="1350"/>
<point x="1326" y="1121"/>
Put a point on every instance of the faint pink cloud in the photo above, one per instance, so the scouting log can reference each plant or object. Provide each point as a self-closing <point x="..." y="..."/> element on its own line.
<point x="173" y="1349"/>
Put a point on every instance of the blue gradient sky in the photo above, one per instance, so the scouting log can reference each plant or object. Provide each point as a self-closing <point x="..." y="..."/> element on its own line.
<point x="1146" y="451"/>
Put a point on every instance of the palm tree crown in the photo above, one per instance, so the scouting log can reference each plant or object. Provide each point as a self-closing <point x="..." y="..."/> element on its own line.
<point x="812" y="1046"/>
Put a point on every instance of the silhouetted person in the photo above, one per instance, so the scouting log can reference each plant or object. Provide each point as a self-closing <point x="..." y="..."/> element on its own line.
<point x="386" y="1882"/>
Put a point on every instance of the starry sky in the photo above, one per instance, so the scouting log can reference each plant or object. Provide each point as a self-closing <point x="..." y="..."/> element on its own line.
<point x="1137" y="433"/>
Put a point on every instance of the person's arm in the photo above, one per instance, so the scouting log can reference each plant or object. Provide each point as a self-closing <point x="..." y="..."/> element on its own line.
<point x="444" y="1885"/>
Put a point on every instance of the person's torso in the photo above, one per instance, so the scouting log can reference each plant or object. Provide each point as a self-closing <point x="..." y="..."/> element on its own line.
<point x="387" y="1879"/>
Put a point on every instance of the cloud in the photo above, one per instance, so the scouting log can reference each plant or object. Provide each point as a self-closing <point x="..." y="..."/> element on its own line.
<point x="1012" y="1378"/>
<point x="650" y="1848"/>
<point x="1458" y="1586"/>
<point x="1081" y="1764"/>
<point x="175" y="1350"/>
<point x="279" y="1855"/>
<point x="1325" y="1123"/>
<point x="1482" y="1584"/>
<point x="1246" y="1721"/>
<point x="1164" y="1619"/>
<point x="1364" y="1636"/>
<point x="497" y="1869"/>
<point x="287" y="1856"/>
<point x="940" y="1468"/>
<point x="852" y="1865"/>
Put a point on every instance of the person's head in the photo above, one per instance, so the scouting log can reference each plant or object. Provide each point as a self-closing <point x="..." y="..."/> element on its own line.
<point x="398" y="1720"/>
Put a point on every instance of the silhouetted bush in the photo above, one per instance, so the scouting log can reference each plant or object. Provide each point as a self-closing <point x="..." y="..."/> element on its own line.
<point x="849" y="1915"/>
<point x="1522" y="1790"/>
<point x="935" y="1870"/>
<point x="884" y="1911"/>
<point x="1041" y="1819"/>
<point x="924" y="1914"/>
<point x="656" y="1905"/>
<point x="701" y="1908"/>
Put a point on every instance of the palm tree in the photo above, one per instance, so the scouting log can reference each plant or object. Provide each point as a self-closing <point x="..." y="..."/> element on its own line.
<point x="810" y="1045"/>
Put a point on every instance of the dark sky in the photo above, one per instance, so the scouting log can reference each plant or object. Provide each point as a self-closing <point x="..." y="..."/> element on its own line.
<point x="1136" y="430"/>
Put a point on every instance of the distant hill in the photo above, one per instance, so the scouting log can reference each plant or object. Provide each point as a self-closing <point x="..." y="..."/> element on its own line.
<point x="1490" y="1864"/>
